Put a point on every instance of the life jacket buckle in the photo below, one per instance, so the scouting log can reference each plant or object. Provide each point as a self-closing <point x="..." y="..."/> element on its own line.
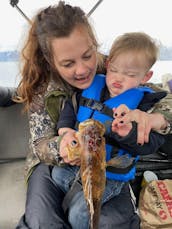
<point x="95" y="105"/>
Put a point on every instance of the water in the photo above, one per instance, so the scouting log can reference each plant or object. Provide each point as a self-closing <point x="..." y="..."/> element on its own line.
<point x="9" y="72"/>
<point x="160" y="69"/>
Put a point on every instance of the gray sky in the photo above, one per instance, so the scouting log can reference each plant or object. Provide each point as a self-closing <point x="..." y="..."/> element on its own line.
<point x="112" y="18"/>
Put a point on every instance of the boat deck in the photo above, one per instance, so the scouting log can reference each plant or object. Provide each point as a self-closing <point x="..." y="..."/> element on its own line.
<point x="14" y="136"/>
<point x="12" y="193"/>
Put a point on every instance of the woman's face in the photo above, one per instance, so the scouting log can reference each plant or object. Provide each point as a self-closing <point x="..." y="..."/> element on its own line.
<point x="75" y="58"/>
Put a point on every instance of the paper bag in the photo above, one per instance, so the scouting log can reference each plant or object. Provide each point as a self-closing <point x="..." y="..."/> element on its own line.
<point x="155" y="205"/>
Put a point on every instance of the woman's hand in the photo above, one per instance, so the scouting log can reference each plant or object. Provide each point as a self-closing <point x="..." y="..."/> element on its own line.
<point x="68" y="138"/>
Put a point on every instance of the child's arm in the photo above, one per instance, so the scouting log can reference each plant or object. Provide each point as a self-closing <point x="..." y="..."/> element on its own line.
<point x="126" y="127"/>
<point x="129" y="142"/>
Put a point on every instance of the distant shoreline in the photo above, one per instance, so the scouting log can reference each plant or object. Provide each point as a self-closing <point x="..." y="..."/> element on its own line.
<point x="5" y="56"/>
<point x="10" y="72"/>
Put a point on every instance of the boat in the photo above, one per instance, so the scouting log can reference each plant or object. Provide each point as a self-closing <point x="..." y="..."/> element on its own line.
<point x="14" y="138"/>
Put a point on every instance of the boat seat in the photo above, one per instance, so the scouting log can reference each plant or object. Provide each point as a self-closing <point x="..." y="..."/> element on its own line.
<point x="6" y="94"/>
<point x="14" y="136"/>
<point x="14" y="132"/>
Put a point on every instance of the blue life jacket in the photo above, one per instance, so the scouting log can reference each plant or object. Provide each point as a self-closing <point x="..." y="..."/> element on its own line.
<point x="91" y="107"/>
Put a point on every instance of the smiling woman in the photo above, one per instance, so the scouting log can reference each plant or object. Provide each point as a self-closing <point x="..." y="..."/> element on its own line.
<point x="14" y="129"/>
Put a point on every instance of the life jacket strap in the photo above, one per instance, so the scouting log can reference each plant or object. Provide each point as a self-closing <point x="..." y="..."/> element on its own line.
<point x="96" y="105"/>
<point x="119" y="170"/>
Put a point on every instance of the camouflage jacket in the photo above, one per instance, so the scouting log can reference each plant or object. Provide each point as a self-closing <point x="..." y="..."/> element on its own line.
<point x="165" y="105"/>
<point x="43" y="116"/>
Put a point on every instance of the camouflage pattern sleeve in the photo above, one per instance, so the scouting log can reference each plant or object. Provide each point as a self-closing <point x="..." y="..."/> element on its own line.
<point x="44" y="142"/>
<point x="165" y="107"/>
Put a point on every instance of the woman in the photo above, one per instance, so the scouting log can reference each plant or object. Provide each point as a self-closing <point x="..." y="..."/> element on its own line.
<point x="59" y="58"/>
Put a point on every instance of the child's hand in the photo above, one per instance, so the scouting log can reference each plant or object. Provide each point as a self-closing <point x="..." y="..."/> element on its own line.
<point x="119" y="124"/>
<point x="121" y="129"/>
<point x="123" y="116"/>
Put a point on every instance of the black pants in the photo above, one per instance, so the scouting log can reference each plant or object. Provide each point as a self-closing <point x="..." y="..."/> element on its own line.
<point x="44" y="206"/>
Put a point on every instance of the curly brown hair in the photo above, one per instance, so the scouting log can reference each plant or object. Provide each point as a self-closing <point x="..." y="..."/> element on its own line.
<point x="37" y="54"/>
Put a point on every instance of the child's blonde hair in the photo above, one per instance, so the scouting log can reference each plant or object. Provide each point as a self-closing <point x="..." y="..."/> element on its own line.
<point x="138" y="42"/>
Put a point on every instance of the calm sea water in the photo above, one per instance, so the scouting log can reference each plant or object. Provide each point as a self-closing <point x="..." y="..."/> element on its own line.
<point x="9" y="72"/>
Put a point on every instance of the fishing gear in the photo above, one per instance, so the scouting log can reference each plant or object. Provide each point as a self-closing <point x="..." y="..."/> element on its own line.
<point x="94" y="7"/>
<point x="14" y="4"/>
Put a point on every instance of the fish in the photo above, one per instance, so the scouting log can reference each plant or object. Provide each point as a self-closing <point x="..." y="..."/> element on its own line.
<point x="91" y="150"/>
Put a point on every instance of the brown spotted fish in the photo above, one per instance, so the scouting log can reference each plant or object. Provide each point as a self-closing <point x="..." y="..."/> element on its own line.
<point x="92" y="151"/>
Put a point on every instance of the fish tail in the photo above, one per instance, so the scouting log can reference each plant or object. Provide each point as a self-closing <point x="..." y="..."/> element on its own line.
<point x="94" y="220"/>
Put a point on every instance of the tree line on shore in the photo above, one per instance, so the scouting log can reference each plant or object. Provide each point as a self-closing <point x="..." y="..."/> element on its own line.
<point x="165" y="54"/>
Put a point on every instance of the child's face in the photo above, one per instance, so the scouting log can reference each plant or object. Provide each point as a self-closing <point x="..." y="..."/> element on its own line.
<point x="127" y="70"/>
